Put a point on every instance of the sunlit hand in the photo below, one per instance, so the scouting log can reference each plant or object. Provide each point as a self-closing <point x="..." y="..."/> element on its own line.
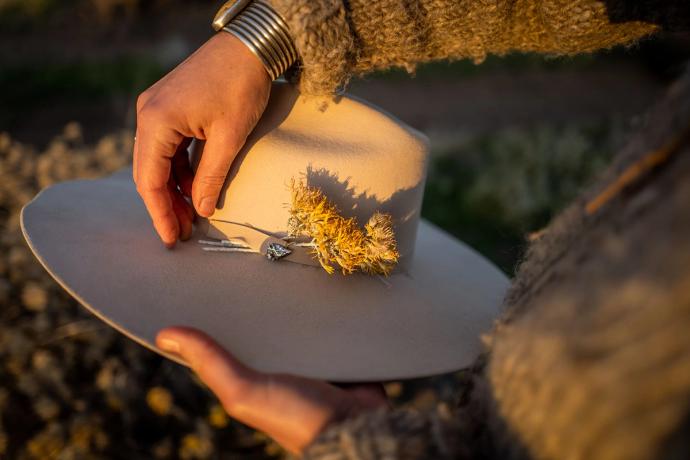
<point x="218" y="94"/>
<point x="292" y="410"/>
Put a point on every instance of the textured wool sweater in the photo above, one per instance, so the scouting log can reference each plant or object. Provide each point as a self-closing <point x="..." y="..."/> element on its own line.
<point x="338" y="39"/>
<point x="592" y="356"/>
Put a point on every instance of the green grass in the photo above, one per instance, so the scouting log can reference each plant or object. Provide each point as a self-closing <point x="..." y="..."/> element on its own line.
<point x="29" y="86"/>
<point x="492" y="190"/>
<point x="78" y="79"/>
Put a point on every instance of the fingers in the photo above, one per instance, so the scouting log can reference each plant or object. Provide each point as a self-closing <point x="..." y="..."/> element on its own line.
<point x="182" y="177"/>
<point x="183" y="211"/>
<point x="220" y="150"/>
<point x="134" y="159"/>
<point x="182" y="170"/>
<point x="159" y="204"/>
<point x="156" y="144"/>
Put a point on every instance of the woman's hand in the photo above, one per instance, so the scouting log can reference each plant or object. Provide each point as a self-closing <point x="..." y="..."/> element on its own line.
<point x="292" y="410"/>
<point x="218" y="94"/>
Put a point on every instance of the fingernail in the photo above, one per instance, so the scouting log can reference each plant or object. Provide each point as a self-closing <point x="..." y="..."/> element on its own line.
<point x="169" y="345"/>
<point x="207" y="206"/>
<point x="170" y="238"/>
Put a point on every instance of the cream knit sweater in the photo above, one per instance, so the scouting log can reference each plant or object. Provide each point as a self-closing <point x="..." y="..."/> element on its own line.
<point x="338" y="39"/>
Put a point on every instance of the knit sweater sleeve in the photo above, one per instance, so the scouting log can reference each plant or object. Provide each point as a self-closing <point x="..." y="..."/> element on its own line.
<point x="393" y="434"/>
<point x="338" y="39"/>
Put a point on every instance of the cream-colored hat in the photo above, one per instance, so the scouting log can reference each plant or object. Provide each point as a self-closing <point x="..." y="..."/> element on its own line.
<point x="289" y="315"/>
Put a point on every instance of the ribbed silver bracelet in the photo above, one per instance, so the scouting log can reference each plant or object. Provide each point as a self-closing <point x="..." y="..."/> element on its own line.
<point x="266" y="34"/>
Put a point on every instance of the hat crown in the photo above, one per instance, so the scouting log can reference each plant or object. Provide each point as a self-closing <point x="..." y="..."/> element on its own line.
<point x="361" y="159"/>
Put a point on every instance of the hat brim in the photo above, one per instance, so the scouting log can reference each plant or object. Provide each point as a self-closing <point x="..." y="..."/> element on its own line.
<point x="96" y="239"/>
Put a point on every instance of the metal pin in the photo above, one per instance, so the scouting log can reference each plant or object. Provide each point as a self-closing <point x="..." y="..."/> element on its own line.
<point x="227" y="249"/>
<point x="277" y="251"/>
<point x="224" y="243"/>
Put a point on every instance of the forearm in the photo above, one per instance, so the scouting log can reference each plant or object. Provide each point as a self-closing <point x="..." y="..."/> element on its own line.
<point x="338" y="39"/>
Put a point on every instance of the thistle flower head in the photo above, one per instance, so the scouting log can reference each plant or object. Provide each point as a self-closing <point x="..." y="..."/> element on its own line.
<point x="339" y="241"/>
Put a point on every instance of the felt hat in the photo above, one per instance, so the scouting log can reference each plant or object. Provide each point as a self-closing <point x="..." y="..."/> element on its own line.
<point x="263" y="292"/>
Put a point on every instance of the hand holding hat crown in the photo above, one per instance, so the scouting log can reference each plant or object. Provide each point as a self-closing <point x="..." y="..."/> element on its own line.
<point x="218" y="94"/>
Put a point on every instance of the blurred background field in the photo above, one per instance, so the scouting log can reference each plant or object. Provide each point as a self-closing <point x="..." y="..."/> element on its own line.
<point x="514" y="139"/>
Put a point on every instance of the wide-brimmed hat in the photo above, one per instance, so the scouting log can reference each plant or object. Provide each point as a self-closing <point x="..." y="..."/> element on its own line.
<point x="404" y="300"/>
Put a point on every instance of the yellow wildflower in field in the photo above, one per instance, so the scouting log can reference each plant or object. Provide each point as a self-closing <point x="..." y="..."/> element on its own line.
<point x="217" y="417"/>
<point x="159" y="400"/>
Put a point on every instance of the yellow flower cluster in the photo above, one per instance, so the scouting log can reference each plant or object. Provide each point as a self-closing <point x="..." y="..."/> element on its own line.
<point x="337" y="240"/>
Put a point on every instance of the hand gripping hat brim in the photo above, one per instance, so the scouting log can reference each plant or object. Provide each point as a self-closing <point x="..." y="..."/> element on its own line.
<point x="96" y="239"/>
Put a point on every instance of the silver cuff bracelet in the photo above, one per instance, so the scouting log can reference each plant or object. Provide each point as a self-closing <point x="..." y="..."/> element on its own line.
<point x="263" y="31"/>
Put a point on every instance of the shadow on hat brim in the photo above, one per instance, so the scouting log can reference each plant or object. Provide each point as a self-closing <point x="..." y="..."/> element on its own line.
<point x="96" y="239"/>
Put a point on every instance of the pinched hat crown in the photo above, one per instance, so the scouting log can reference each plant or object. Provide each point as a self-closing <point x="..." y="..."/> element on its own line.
<point x="363" y="173"/>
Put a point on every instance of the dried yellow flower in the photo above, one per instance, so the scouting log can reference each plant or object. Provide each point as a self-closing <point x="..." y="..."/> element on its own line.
<point x="337" y="240"/>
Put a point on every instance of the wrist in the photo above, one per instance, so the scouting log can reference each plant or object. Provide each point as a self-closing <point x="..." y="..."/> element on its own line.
<point x="224" y="45"/>
<point x="262" y="30"/>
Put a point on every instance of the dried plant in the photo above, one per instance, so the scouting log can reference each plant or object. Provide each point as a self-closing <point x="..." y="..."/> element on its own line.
<point x="337" y="240"/>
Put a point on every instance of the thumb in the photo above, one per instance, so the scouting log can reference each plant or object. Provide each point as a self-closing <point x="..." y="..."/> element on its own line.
<point x="222" y="145"/>
<point x="225" y="375"/>
<point x="290" y="409"/>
